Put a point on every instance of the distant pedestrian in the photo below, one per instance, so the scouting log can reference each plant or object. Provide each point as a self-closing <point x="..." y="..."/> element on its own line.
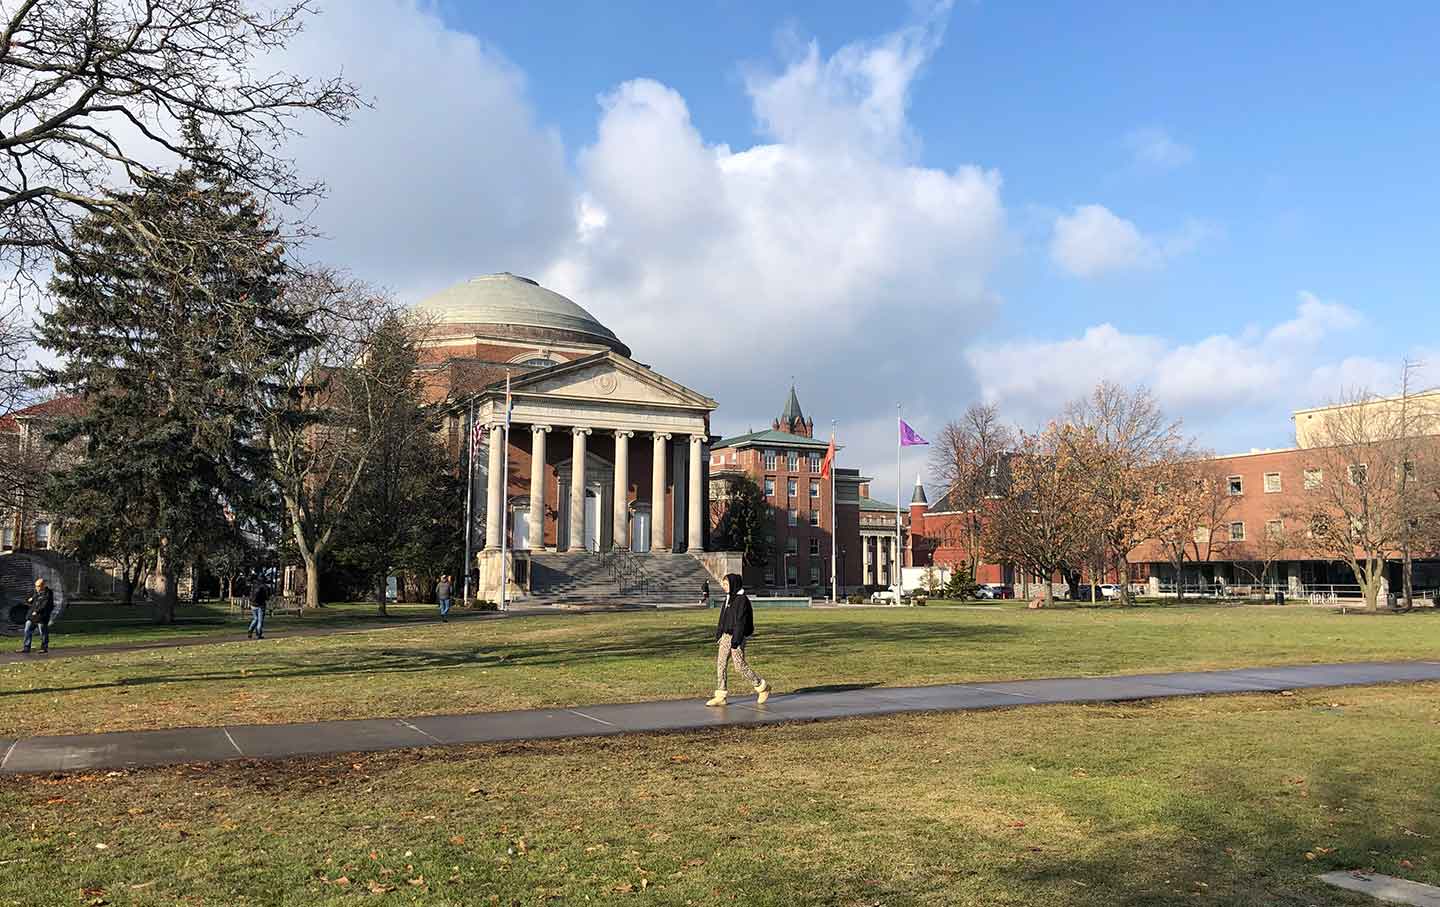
<point x="259" y="599"/>
<point x="705" y="593"/>
<point x="41" y="607"/>
<point x="443" y="591"/>
<point x="736" y="625"/>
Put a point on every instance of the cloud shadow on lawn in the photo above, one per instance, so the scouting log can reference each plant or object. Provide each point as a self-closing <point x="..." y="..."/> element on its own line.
<point x="585" y="653"/>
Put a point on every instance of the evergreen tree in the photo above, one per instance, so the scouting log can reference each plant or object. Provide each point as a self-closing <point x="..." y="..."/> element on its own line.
<point x="166" y="343"/>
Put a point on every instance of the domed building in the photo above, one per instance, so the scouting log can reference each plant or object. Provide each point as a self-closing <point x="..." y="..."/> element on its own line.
<point x="604" y="453"/>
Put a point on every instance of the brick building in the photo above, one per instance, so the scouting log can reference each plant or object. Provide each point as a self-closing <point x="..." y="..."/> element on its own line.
<point x="785" y="462"/>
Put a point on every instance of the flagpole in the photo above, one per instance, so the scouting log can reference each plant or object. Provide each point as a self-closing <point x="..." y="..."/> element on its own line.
<point x="895" y="562"/>
<point x="834" y="506"/>
<point x="505" y="498"/>
<point x="469" y="491"/>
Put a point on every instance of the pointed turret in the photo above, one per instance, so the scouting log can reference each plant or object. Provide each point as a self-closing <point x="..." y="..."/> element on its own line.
<point x="919" y="495"/>
<point x="792" y="418"/>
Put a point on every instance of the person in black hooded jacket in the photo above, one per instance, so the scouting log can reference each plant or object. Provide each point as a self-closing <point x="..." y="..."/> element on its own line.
<point x="736" y="625"/>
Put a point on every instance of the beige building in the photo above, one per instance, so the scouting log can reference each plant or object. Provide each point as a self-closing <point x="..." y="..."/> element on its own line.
<point x="1421" y="411"/>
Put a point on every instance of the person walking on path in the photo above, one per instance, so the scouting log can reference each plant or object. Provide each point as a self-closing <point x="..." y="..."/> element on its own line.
<point x="705" y="593"/>
<point x="42" y="605"/>
<point x="443" y="592"/>
<point x="737" y="624"/>
<point x="259" y="598"/>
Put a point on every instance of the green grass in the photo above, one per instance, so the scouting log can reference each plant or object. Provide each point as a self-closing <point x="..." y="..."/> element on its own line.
<point x="1233" y="801"/>
<point x="464" y="666"/>
<point x="95" y="624"/>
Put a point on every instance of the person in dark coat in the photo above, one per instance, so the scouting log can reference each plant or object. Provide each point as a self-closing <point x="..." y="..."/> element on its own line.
<point x="259" y="600"/>
<point x="42" y="606"/>
<point x="705" y="593"/>
<point x="736" y="626"/>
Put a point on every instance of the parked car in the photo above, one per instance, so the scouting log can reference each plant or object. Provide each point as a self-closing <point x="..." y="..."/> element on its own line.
<point x="985" y="592"/>
<point x="1109" y="590"/>
<point x="882" y="596"/>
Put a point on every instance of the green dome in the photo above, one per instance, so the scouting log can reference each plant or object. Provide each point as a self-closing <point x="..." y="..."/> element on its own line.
<point x="500" y="300"/>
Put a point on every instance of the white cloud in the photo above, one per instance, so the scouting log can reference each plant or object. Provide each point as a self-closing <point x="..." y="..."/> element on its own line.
<point x="1093" y="241"/>
<point x="1224" y="384"/>
<point x="1154" y="147"/>
<point x="824" y="253"/>
<point x="449" y="174"/>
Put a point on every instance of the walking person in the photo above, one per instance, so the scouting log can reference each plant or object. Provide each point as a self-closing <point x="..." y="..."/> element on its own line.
<point x="705" y="593"/>
<point x="259" y="598"/>
<point x="443" y="591"/>
<point x="42" y="606"/>
<point x="737" y="624"/>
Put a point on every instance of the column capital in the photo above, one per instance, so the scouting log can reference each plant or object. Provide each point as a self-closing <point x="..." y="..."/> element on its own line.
<point x="580" y="430"/>
<point x="697" y="438"/>
<point x="660" y="435"/>
<point x="624" y="433"/>
<point x="538" y="429"/>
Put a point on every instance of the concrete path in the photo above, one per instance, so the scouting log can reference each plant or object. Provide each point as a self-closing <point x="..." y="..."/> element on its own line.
<point x="278" y="741"/>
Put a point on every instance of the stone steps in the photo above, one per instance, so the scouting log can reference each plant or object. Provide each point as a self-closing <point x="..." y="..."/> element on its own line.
<point x="584" y="578"/>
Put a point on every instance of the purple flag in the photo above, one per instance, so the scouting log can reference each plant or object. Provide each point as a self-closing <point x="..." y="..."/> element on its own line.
<point x="908" y="438"/>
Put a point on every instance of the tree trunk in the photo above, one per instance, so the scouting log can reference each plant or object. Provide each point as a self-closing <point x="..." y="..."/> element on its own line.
<point x="127" y="594"/>
<point x="312" y="580"/>
<point x="380" y="584"/>
<point x="164" y="608"/>
<point x="1124" y="590"/>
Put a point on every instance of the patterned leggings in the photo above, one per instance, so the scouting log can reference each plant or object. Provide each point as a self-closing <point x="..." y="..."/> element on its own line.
<point x="728" y="654"/>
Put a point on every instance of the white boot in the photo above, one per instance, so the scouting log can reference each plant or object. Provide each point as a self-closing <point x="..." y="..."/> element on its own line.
<point x="718" y="698"/>
<point x="763" y="691"/>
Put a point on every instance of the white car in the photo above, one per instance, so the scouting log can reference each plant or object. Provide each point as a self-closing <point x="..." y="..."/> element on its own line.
<point x="882" y="596"/>
<point x="1109" y="590"/>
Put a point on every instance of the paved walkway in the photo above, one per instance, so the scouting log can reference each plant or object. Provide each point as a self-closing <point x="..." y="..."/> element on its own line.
<point x="278" y="741"/>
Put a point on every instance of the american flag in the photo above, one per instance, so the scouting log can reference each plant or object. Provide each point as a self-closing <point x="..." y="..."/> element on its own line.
<point x="477" y="436"/>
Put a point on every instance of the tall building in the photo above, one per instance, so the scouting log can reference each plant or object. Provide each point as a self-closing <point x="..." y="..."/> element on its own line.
<point x="785" y="462"/>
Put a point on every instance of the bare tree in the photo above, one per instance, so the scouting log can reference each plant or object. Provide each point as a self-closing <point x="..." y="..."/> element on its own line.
<point x="968" y="459"/>
<point x="19" y="471"/>
<point x="1034" y="522"/>
<point x="324" y="416"/>
<point x="1121" y="441"/>
<point x="1192" y="503"/>
<point x="1369" y="483"/>
<point x="93" y="92"/>
<point x="1255" y="557"/>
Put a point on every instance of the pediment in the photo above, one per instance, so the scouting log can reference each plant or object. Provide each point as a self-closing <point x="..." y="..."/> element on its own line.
<point x="612" y="378"/>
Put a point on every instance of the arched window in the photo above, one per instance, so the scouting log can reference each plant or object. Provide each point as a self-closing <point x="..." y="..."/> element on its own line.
<point x="538" y="362"/>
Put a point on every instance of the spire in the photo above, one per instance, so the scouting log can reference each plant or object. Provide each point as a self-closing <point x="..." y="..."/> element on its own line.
<point x="792" y="418"/>
<point x="919" y="496"/>
<point x="792" y="412"/>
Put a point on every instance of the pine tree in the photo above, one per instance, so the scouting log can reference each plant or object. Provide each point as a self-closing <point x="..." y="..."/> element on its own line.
<point x="166" y="343"/>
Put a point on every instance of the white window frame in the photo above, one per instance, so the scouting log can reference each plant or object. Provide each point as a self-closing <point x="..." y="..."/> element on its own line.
<point x="45" y="544"/>
<point x="1202" y="534"/>
<point x="1314" y="478"/>
<point x="792" y="546"/>
<point x="7" y="538"/>
<point x="769" y="486"/>
<point x="792" y="517"/>
<point x="814" y="547"/>
<point x="1274" y="528"/>
<point x="1279" y="485"/>
<point x="814" y="490"/>
<point x="769" y="459"/>
<point x="814" y="460"/>
<point x="1361" y="469"/>
<point x="792" y="488"/>
<point x="815" y="518"/>
<point x="792" y="460"/>
<point x="1234" y="482"/>
<point x="1241" y="536"/>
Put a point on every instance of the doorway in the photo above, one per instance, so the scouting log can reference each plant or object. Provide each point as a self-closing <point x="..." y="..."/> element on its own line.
<point x="640" y="532"/>
<point x="521" y="533"/>
<point x="592" y="520"/>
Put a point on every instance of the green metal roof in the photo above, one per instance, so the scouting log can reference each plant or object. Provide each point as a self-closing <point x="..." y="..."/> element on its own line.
<point x="872" y="504"/>
<point x="771" y="438"/>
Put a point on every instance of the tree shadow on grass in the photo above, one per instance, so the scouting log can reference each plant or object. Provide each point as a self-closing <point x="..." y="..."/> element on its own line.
<point x="586" y="654"/>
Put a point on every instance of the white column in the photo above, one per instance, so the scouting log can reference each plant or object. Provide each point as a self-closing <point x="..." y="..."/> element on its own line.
<point x="537" y="486"/>
<point x="622" y="488"/>
<point x="865" y="544"/>
<point x="577" y="487"/>
<point x="696" y="535"/>
<point x="657" y="491"/>
<point x="495" y="499"/>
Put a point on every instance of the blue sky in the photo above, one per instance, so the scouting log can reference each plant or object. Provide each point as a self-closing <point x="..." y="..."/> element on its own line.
<point x="1231" y="204"/>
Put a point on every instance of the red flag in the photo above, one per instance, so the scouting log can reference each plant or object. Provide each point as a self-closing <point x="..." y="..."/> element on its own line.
<point x="829" y="460"/>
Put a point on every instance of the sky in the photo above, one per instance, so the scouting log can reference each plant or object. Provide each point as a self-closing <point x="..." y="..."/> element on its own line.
<point x="922" y="204"/>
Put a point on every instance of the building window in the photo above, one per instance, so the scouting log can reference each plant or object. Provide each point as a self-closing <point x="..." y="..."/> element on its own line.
<point x="791" y="488"/>
<point x="1272" y="482"/>
<point x="1202" y="534"/>
<point x="1314" y="478"/>
<point x="7" y="539"/>
<point x="42" y="536"/>
<point x="1237" y="485"/>
<point x="792" y="575"/>
<point x="792" y="545"/>
<point x="769" y="574"/>
<point x="815" y="490"/>
<point x="814" y="547"/>
<point x="1274" y="528"/>
<point x="770" y="459"/>
<point x="539" y="362"/>
<point x="769" y="486"/>
<point x="814" y="461"/>
<point x="1358" y="473"/>
<point x="792" y="517"/>
<point x="814" y="518"/>
<point x="814" y="573"/>
<point x="792" y="460"/>
<point x="1237" y="532"/>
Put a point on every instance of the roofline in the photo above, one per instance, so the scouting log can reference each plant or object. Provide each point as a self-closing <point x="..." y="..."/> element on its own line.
<point x="497" y="387"/>
<point x="1377" y="399"/>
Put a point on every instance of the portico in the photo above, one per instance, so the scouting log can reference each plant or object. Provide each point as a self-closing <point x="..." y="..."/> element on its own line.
<point x="604" y="454"/>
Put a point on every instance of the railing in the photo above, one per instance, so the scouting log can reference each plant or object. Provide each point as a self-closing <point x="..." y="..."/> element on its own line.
<point x="627" y="570"/>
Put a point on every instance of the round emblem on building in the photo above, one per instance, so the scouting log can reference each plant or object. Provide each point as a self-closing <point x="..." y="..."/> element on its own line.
<point x="606" y="383"/>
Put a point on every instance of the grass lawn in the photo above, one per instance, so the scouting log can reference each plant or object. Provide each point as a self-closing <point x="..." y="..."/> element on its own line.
<point x="1236" y="800"/>
<point x="94" y="624"/>
<point x="431" y="668"/>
